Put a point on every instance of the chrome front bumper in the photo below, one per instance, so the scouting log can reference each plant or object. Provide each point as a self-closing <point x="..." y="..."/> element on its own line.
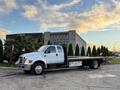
<point x="25" y="67"/>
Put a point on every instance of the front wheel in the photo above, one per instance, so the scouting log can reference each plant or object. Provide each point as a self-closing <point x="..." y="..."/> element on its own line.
<point x="38" y="68"/>
<point x="94" y="64"/>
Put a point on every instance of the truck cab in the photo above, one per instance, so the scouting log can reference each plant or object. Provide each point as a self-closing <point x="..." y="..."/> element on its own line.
<point x="36" y="61"/>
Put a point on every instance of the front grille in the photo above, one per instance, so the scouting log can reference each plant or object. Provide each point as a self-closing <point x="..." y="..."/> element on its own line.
<point x="22" y="60"/>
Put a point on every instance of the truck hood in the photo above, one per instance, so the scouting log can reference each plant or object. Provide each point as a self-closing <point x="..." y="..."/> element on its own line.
<point x="33" y="55"/>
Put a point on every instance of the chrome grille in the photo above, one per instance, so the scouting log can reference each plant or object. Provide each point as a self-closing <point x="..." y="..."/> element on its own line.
<point x="22" y="60"/>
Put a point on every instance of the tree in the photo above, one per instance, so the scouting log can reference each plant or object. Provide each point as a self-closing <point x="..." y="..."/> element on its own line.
<point x="1" y="51"/>
<point x="8" y="53"/>
<point x="98" y="52"/>
<point x="49" y="42"/>
<point x="77" y="50"/>
<point x="104" y="51"/>
<point x="94" y="51"/>
<point x="89" y="51"/>
<point x="83" y="51"/>
<point x="70" y="50"/>
<point x="107" y="52"/>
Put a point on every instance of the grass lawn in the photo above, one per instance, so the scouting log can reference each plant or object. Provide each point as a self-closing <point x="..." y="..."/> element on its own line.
<point x="7" y="65"/>
<point x="115" y="60"/>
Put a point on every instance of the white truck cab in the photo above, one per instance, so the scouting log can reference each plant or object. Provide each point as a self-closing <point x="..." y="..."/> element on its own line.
<point x="47" y="54"/>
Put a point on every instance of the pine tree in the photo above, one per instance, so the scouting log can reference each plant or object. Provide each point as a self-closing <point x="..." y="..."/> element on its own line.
<point x="106" y="52"/>
<point x="94" y="51"/>
<point x="70" y="50"/>
<point x="98" y="52"/>
<point x="102" y="50"/>
<point x="1" y="51"/>
<point x="77" y="50"/>
<point x="89" y="51"/>
<point x="83" y="51"/>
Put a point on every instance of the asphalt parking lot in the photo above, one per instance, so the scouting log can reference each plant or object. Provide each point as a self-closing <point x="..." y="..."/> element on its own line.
<point x="105" y="78"/>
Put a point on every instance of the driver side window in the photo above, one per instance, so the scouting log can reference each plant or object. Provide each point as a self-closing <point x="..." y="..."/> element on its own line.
<point x="50" y="49"/>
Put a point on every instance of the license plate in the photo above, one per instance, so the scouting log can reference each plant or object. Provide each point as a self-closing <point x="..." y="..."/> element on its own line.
<point x="75" y="63"/>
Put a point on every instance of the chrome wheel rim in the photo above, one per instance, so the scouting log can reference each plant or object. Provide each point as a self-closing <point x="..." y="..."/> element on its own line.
<point x="95" y="64"/>
<point x="38" y="69"/>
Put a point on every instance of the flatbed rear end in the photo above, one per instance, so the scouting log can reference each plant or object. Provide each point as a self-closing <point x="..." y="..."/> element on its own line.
<point x="92" y="62"/>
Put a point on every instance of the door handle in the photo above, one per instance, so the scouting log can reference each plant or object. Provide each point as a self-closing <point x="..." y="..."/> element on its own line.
<point x="56" y="54"/>
<point x="45" y="56"/>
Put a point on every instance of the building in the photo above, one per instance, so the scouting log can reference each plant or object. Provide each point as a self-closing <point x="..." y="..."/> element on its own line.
<point x="66" y="38"/>
<point x="62" y="38"/>
<point x="33" y="35"/>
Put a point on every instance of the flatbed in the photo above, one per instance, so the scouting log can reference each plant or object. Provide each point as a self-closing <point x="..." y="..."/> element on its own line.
<point x="73" y="58"/>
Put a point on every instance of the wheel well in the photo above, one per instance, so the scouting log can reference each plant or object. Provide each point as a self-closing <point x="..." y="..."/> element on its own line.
<point x="39" y="62"/>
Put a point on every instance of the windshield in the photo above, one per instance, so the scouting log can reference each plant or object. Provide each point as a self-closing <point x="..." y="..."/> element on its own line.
<point x="42" y="49"/>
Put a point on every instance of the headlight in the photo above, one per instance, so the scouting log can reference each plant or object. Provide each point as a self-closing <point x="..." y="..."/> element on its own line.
<point x="28" y="62"/>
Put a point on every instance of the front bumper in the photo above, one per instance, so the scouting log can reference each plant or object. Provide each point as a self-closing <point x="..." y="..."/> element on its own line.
<point x="25" y="67"/>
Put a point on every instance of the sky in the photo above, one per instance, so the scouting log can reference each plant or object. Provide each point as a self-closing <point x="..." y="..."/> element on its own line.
<point x="96" y="21"/>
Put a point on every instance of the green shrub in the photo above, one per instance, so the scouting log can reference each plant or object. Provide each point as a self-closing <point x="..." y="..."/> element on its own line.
<point x="77" y="52"/>
<point x="70" y="50"/>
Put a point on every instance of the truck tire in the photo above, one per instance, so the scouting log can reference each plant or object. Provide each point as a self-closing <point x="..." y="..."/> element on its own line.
<point x="27" y="72"/>
<point x="37" y="68"/>
<point x="94" y="64"/>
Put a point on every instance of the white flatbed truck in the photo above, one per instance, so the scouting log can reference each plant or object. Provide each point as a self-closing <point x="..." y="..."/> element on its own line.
<point x="54" y="55"/>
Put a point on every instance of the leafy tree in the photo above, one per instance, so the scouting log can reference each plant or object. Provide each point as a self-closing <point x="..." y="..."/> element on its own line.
<point x="8" y="52"/>
<point x="83" y="51"/>
<point x="1" y="51"/>
<point x="49" y="42"/>
<point x="89" y="51"/>
<point x="20" y="45"/>
<point x="70" y="50"/>
<point x="94" y="53"/>
<point x="77" y="50"/>
<point x="98" y="52"/>
<point x="38" y="43"/>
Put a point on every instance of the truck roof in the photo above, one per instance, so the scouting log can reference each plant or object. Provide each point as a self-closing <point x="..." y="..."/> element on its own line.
<point x="53" y="45"/>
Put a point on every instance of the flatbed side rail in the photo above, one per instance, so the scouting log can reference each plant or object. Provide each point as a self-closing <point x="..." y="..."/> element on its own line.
<point x="82" y="58"/>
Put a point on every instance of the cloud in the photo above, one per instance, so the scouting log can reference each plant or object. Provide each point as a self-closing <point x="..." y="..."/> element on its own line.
<point x="3" y="33"/>
<point x="60" y="6"/>
<point x="97" y="18"/>
<point x="30" y="11"/>
<point x="7" y="6"/>
<point x="47" y="15"/>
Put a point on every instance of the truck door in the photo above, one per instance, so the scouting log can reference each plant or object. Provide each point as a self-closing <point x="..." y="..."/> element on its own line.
<point x="60" y="54"/>
<point x="50" y="55"/>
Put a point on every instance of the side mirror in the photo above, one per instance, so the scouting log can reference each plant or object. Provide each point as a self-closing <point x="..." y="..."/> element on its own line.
<point x="48" y="52"/>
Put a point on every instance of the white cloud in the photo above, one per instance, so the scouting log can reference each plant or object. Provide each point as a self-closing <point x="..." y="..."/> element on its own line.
<point x="61" y="6"/>
<point x="50" y="16"/>
<point x="7" y="6"/>
<point x="30" y="11"/>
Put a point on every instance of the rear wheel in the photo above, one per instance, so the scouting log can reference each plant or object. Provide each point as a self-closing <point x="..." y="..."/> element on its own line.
<point x="37" y="68"/>
<point x="94" y="65"/>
